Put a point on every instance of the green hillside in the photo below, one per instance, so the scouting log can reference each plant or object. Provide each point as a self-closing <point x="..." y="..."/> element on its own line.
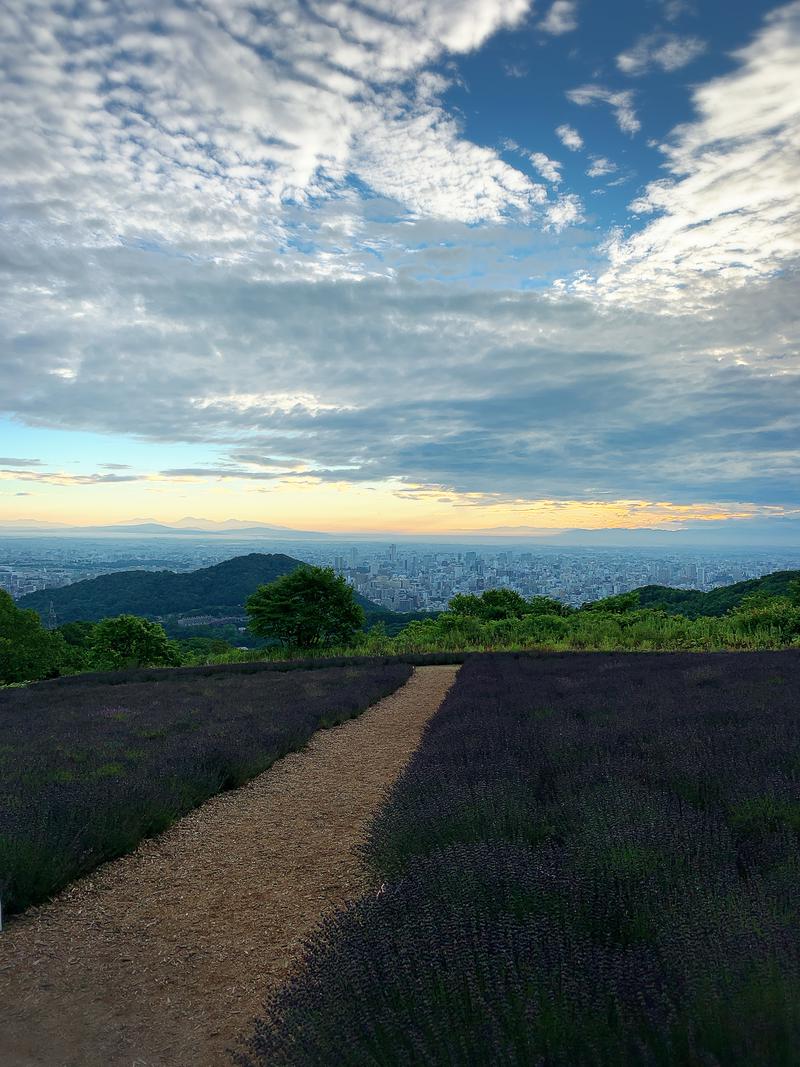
<point x="694" y="603"/>
<point x="221" y="589"/>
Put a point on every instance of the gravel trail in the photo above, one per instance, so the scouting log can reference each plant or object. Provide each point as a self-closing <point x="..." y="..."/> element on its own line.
<point x="161" y="958"/>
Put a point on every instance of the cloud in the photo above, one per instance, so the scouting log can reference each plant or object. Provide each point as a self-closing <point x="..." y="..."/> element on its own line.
<point x="280" y="471"/>
<point x="620" y="102"/>
<point x="569" y="137"/>
<point x="728" y="212"/>
<point x="190" y="125"/>
<point x="215" y="231"/>
<point x="7" y="461"/>
<point x="66" y="478"/>
<point x="548" y="168"/>
<point x="600" y="166"/>
<point x="527" y="394"/>
<point x="566" y="211"/>
<point x="561" y="18"/>
<point x="444" y="176"/>
<point x="668" y="51"/>
<point x="673" y="9"/>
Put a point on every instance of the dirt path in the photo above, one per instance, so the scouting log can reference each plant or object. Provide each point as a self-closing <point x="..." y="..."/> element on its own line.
<point x="161" y="958"/>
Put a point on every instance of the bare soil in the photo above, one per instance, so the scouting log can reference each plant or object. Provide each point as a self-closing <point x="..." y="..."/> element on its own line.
<point x="162" y="958"/>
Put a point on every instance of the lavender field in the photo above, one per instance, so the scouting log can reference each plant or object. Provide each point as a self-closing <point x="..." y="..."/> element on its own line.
<point x="87" y="771"/>
<point x="591" y="860"/>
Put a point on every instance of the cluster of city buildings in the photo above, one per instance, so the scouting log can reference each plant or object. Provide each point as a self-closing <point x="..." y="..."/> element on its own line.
<point x="403" y="577"/>
<point x="407" y="578"/>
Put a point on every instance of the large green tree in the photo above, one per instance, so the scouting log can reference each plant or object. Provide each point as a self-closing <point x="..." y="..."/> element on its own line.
<point x="492" y="605"/>
<point x="311" y="607"/>
<point x="129" y="641"/>
<point x="27" y="650"/>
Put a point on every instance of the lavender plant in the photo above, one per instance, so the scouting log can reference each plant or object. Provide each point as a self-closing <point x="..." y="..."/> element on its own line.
<point x="87" y="771"/>
<point x="591" y="860"/>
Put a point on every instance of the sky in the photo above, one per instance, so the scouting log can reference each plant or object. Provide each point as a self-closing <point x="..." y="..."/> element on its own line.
<point x="416" y="267"/>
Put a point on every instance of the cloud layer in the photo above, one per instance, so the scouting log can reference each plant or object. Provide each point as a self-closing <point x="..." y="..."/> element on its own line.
<point x="165" y="119"/>
<point x="728" y="213"/>
<point x="254" y="228"/>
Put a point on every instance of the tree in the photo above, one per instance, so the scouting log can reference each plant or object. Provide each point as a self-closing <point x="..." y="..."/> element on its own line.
<point x="545" y="605"/>
<point x="27" y="650"/>
<point x="77" y="638"/>
<point x="129" y="641"/>
<point x="620" y="604"/>
<point x="310" y="607"/>
<point x="492" y="605"/>
<point x="465" y="604"/>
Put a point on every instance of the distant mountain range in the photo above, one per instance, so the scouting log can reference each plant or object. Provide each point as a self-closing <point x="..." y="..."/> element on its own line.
<point x="220" y="589"/>
<point x="779" y="531"/>
<point x="145" y="528"/>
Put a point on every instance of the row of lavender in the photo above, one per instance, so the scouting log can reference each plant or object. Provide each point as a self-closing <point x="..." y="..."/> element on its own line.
<point x="592" y="859"/>
<point x="87" y="771"/>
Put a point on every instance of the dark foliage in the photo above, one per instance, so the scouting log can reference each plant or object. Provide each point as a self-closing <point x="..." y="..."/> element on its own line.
<point x="591" y="860"/>
<point x="693" y="602"/>
<point x="87" y="770"/>
<point x="493" y="604"/>
<point x="313" y="607"/>
<point x="27" y="650"/>
<point x="155" y="593"/>
<point x="128" y="641"/>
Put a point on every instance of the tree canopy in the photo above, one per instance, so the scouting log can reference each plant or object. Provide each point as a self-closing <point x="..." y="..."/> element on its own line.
<point x="128" y="641"/>
<point x="27" y="650"/>
<point x="311" y="607"/>
<point x="497" y="604"/>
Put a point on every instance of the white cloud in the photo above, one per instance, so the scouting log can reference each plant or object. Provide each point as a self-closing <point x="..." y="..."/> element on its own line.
<point x="569" y="137"/>
<point x="665" y="50"/>
<point x="510" y="391"/>
<point x="600" y="166"/>
<point x="444" y="175"/>
<point x="729" y="211"/>
<point x="561" y="18"/>
<point x="548" y="168"/>
<point x="193" y="125"/>
<point x="620" y="101"/>
<point x="673" y="9"/>
<point x="566" y="211"/>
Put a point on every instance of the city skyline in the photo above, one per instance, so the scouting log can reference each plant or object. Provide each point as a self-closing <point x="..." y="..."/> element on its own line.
<point x="460" y="268"/>
<point x="403" y="577"/>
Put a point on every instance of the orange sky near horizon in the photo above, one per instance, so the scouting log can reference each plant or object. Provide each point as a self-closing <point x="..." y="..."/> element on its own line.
<point x="341" y="507"/>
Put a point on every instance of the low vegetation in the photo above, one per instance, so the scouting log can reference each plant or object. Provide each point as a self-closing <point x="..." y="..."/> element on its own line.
<point x="88" y="769"/>
<point x="591" y="860"/>
<point x="310" y="609"/>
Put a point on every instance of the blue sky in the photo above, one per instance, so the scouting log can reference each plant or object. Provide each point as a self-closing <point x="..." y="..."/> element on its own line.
<point x="431" y="266"/>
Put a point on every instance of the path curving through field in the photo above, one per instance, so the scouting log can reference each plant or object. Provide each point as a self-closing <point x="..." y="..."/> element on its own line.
<point x="161" y="958"/>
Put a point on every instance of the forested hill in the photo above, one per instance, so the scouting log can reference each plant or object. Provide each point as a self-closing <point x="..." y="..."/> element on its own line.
<point x="154" y="594"/>
<point x="694" y="602"/>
